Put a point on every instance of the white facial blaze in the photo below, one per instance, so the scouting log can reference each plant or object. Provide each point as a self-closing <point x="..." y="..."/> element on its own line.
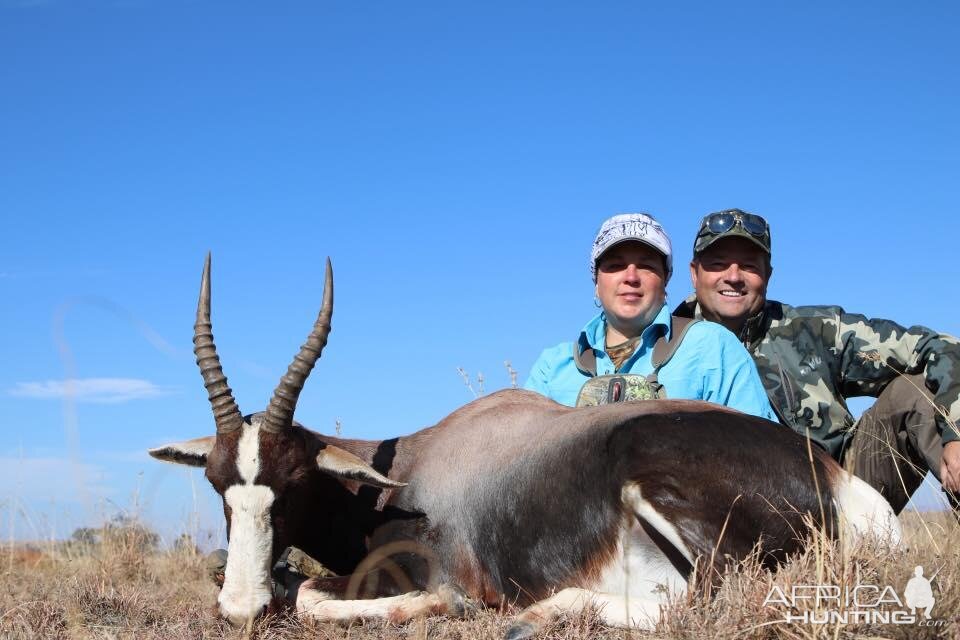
<point x="248" y="453"/>
<point x="247" y="587"/>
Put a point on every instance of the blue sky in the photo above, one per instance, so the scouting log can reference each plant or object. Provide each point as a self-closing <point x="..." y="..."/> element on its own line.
<point x="454" y="162"/>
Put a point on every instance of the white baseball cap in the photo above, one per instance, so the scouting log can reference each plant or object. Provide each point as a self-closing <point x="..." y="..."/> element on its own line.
<point x="623" y="227"/>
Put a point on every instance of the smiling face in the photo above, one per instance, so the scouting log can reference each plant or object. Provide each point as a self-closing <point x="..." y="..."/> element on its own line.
<point x="730" y="278"/>
<point x="631" y="287"/>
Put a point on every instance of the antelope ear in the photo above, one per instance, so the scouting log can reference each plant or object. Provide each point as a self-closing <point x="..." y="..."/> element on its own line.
<point x="343" y="464"/>
<point x="189" y="452"/>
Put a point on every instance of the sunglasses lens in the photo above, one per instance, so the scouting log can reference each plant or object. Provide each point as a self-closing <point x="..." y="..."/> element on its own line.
<point x="754" y="225"/>
<point x="720" y="222"/>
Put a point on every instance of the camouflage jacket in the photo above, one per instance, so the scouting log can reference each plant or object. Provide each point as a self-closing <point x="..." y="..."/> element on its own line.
<point x="811" y="359"/>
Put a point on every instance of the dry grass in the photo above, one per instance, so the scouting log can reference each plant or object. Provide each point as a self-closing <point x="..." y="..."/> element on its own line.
<point x="119" y="586"/>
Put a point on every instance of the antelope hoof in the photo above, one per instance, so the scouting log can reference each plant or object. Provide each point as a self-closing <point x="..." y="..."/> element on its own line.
<point x="457" y="604"/>
<point x="520" y="631"/>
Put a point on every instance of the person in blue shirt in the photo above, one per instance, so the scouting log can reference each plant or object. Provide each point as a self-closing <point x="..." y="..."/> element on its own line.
<point x="631" y="261"/>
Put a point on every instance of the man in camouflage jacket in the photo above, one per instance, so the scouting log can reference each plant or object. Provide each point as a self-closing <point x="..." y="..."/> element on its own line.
<point x="812" y="358"/>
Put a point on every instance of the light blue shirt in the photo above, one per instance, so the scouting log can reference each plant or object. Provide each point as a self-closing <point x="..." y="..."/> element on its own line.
<point x="710" y="364"/>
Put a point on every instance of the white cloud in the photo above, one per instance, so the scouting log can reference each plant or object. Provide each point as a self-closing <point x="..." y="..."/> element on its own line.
<point x="96" y="390"/>
<point x="50" y="477"/>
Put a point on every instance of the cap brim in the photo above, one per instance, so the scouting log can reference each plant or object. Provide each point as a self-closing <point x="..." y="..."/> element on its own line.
<point x="735" y="232"/>
<point x="631" y="239"/>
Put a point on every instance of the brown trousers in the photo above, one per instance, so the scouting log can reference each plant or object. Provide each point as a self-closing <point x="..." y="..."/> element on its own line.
<point x="896" y="441"/>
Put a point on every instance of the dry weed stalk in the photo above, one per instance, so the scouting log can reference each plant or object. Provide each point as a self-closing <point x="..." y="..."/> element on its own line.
<point x="479" y="391"/>
<point x="72" y="595"/>
<point x="512" y="373"/>
<point x="121" y="585"/>
<point x="873" y="356"/>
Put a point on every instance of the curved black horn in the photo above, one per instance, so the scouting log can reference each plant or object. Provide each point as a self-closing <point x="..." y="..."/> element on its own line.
<point x="225" y="409"/>
<point x="280" y="411"/>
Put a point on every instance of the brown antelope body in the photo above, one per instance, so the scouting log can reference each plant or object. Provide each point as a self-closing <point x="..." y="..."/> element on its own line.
<point x="511" y="498"/>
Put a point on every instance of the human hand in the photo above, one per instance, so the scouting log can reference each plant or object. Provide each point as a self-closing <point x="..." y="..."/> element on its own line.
<point x="950" y="466"/>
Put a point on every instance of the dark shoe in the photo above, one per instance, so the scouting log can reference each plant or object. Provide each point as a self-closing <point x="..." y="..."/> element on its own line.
<point x="286" y="575"/>
<point x="216" y="562"/>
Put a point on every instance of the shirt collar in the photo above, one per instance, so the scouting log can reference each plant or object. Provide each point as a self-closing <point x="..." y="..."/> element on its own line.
<point x="753" y="329"/>
<point x="595" y="331"/>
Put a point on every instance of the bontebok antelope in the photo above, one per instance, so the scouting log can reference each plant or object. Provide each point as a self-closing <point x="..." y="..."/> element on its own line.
<point x="512" y="498"/>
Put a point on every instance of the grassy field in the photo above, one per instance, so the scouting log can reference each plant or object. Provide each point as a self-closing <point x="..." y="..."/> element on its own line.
<point x="116" y="584"/>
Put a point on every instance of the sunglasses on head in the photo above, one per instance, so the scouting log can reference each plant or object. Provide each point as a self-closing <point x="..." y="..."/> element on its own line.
<point x="725" y="220"/>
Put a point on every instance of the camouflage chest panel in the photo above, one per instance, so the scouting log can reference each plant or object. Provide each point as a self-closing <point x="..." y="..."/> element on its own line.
<point x="812" y="358"/>
<point x="799" y="364"/>
<point x="618" y="388"/>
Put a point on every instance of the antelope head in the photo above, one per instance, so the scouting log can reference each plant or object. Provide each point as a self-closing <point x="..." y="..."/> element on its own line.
<point x="262" y="465"/>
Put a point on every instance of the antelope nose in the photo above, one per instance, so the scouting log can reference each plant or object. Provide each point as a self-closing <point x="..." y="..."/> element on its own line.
<point x="239" y="620"/>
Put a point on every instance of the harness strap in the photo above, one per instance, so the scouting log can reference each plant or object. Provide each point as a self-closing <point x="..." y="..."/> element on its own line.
<point x="663" y="350"/>
<point x="584" y="357"/>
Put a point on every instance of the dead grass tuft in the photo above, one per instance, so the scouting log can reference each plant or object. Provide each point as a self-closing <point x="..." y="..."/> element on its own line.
<point x="99" y="604"/>
<point x="62" y="590"/>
